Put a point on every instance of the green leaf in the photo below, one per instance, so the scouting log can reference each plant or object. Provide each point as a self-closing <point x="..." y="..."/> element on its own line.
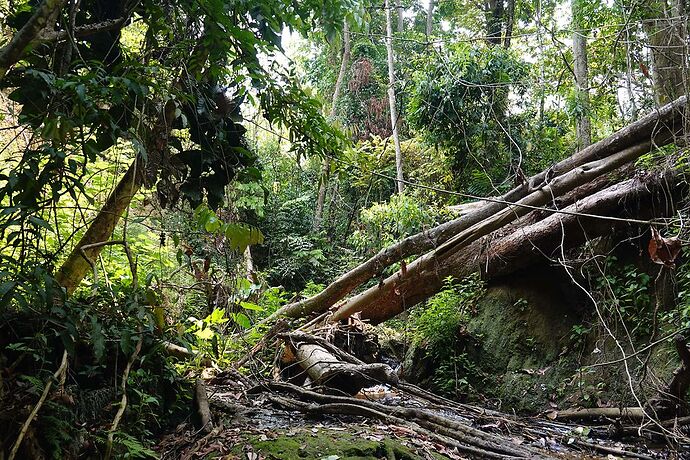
<point x="217" y="316"/>
<point x="97" y="338"/>
<point x="242" y="320"/>
<point x="212" y="224"/>
<point x="37" y="221"/>
<point x="251" y="306"/>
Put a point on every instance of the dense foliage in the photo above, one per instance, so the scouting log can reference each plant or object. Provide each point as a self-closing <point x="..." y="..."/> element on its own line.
<point x="162" y="165"/>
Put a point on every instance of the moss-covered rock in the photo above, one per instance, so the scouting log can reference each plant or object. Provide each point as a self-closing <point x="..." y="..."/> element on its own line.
<point x="523" y="326"/>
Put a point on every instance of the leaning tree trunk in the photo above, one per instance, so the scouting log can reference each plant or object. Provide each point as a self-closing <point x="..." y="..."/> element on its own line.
<point x="655" y="127"/>
<point x="391" y="100"/>
<point x="326" y="164"/>
<point x="512" y="249"/>
<point x="101" y="229"/>
<point x="75" y="268"/>
<point x="13" y="52"/>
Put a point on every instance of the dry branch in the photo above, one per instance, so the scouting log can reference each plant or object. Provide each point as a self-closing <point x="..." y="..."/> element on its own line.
<point x="657" y="128"/>
<point x="630" y="413"/>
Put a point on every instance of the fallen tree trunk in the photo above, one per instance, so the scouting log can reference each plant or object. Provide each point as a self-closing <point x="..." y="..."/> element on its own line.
<point x="326" y="369"/>
<point x="657" y="128"/>
<point x="506" y="253"/>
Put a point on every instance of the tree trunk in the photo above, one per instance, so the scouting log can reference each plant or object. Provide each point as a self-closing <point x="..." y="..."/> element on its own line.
<point x="429" y="20"/>
<point x="583" y="124"/>
<point x="75" y="268"/>
<point x="326" y="164"/>
<point x="666" y="29"/>
<point x="494" y="21"/>
<point x="11" y="53"/>
<point x="401" y="18"/>
<point x="656" y="127"/>
<point x="326" y="369"/>
<point x="391" y="100"/>
<point x="511" y="250"/>
<point x="510" y="23"/>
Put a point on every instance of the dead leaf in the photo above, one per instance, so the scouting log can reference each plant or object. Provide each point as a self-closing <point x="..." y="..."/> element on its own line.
<point x="663" y="251"/>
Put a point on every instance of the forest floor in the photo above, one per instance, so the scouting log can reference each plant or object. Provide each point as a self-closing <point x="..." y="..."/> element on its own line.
<point x="248" y="424"/>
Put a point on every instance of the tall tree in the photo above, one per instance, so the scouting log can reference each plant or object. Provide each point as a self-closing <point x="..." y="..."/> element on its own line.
<point x="583" y="123"/>
<point x="666" y="27"/>
<point x="326" y="164"/>
<point x="429" y="19"/>
<point x="401" y="18"/>
<point x="391" y="99"/>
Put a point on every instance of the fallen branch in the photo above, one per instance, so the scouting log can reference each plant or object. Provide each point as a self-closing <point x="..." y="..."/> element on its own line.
<point x="632" y="413"/>
<point x="356" y="409"/>
<point x="56" y="376"/>
<point x="612" y="450"/>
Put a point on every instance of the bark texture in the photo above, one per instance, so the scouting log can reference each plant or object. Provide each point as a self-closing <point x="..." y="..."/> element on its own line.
<point x="11" y="53"/>
<point x="583" y="123"/>
<point x="666" y="29"/>
<point x="429" y="19"/>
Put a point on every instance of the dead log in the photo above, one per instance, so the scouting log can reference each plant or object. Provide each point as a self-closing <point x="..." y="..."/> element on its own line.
<point x="497" y="255"/>
<point x="629" y="413"/>
<point x="327" y="370"/>
<point x="657" y="128"/>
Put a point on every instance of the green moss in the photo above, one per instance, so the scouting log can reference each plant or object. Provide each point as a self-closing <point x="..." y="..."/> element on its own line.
<point x="522" y="328"/>
<point x="325" y="443"/>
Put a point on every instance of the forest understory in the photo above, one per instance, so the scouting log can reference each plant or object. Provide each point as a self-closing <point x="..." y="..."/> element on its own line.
<point x="344" y="229"/>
